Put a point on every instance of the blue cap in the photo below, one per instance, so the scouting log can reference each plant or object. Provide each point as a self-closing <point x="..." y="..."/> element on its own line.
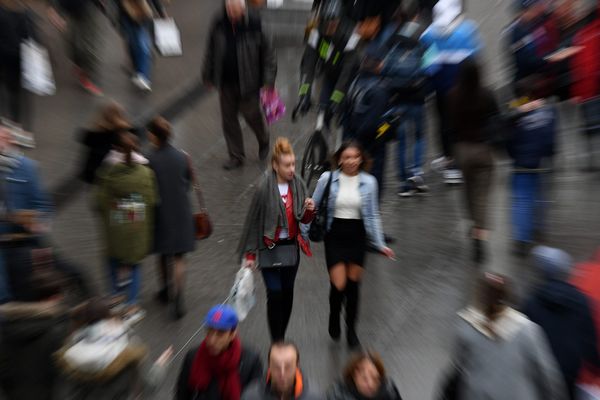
<point x="553" y="263"/>
<point x="222" y="318"/>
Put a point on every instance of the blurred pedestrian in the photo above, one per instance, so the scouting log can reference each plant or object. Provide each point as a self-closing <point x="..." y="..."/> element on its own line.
<point x="136" y="23"/>
<point x="104" y="360"/>
<point x="531" y="147"/>
<point x="353" y="222"/>
<point x="81" y="21"/>
<point x="565" y="315"/>
<point x="222" y="367"/>
<point x="279" y="205"/>
<point x="100" y="138"/>
<point x="331" y="52"/>
<point x="31" y="332"/>
<point x="533" y="37"/>
<point x="239" y="61"/>
<point x="16" y="26"/>
<point x="25" y="207"/>
<point x="585" y="65"/>
<point x="126" y="195"/>
<point x="471" y="108"/>
<point x="284" y="378"/>
<point x="586" y="277"/>
<point x="364" y="378"/>
<point x="449" y="41"/>
<point x="499" y="354"/>
<point x="174" y="226"/>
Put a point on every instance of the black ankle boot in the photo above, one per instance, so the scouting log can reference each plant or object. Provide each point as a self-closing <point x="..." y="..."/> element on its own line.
<point x="352" y="313"/>
<point x="335" y="307"/>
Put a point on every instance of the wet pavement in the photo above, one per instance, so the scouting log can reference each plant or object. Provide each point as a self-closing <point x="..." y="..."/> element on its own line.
<point x="408" y="307"/>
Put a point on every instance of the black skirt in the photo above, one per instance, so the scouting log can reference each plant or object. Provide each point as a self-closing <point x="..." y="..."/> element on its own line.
<point x="346" y="242"/>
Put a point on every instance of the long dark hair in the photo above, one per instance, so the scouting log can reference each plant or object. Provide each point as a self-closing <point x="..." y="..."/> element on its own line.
<point x="493" y="296"/>
<point x="352" y="144"/>
<point x="126" y="143"/>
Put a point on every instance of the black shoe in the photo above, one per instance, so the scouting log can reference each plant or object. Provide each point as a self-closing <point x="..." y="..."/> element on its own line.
<point x="162" y="296"/>
<point x="232" y="164"/>
<point x="353" y="342"/>
<point x="263" y="153"/>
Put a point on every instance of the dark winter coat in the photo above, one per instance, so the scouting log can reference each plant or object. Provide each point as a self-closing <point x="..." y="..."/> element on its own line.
<point x="255" y="55"/>
<point x="251" y="370"/>
<point x="174" y="226"/>
<point x="343" y="391"/>
<point x="262" y="391"/>
<point x="565" y="315"/>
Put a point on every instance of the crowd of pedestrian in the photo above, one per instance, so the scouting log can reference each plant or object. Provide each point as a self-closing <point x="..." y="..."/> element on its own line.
<point x="376" y="60"/>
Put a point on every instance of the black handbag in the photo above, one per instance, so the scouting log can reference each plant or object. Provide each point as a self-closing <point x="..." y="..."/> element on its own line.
<point x="318" y="228"/>
<point x="280" y="255"/>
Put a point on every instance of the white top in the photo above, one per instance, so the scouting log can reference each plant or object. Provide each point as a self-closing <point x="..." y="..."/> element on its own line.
<point x="284" y="189"/>
<point x="348" y="202"/>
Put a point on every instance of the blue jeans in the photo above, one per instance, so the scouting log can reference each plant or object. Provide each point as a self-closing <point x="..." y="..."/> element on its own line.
<point x="414" y="113"/>
<point x="527" y="205"/>
<point x="139" y="44"/>
<point x="127" y="282"/>
<point x="279" y="279"/>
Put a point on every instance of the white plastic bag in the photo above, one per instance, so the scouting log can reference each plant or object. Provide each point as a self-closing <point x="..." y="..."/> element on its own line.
<point x="242" y="297"/>
<point x="167" y="37"/>
<point x="587" y="392"/>
<point x="97" y="346"/>
<point x="36" y="70"/>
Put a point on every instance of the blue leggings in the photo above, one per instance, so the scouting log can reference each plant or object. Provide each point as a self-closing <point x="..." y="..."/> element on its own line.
<point x="527" y="205"/>
<point x="125" y="279"/>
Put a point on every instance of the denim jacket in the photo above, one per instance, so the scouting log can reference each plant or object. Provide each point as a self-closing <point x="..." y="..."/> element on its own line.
<point x="369" y="204"/>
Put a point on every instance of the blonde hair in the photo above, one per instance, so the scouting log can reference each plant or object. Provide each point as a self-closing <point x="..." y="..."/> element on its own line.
<point x="282" y="147"/>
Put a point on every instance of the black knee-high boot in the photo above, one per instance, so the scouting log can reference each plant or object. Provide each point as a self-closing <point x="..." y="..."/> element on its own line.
<point x="336" y="298"/>
<point x="275" y="314"/>
<point x="352" y="312"/>
<point x="288" y="304"/>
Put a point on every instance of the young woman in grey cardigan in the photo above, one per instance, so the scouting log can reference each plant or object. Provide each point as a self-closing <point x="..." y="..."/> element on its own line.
<point x="500" y="354"/>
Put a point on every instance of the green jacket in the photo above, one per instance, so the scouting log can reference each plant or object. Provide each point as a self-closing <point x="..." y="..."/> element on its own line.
<point x="126" y="197"/>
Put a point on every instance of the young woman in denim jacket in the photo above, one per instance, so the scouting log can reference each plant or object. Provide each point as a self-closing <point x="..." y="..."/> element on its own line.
<point x="353" y="222"/>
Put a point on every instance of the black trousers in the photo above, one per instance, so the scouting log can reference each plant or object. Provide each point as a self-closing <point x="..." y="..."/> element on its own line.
<point x="233" y="104"/>
<point x="444" y="130"/>
<point x="12" y="95"/>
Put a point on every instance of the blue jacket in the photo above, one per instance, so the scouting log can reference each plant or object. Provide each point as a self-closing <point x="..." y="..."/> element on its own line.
<point x="532" y="139"/>
<point x="369" y="204"/>
<point x="446" y="49"/>
<point x="24" y="189"/>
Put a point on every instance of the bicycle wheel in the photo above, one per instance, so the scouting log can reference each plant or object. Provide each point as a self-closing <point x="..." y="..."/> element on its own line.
<point x="313" y="160"/>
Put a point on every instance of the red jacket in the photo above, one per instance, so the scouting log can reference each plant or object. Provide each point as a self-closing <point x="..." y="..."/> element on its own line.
<point x="293" y="228"/>
<point x="587" y="279"/>
<point x="585" y="65"/>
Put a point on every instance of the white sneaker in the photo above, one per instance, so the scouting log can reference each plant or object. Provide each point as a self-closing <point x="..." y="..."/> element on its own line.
<point x="142" y="83"/>
<point x="453" y="176"/>
<point x="439" y="164"/>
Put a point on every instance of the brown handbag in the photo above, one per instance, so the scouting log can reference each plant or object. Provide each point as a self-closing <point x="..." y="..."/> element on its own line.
<point x="202" y="223"/>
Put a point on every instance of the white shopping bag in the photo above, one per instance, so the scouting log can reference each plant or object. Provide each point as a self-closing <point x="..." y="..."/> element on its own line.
<point x="587" y="392"/>
<point x="167" y="37"/>
<point x="242" y="297"/>
<point x="36" y="70"/>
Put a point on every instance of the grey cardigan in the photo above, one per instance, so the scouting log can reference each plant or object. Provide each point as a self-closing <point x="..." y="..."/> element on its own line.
<point x="517" y="364"/>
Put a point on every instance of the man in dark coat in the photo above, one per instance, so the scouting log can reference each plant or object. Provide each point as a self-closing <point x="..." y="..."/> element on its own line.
<point x="239" y="61"/>
<point x="221" y="368"/>
<point x="564" y="314"/>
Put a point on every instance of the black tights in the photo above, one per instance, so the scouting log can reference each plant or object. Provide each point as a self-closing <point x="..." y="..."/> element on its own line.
<point x="279" y="311"/>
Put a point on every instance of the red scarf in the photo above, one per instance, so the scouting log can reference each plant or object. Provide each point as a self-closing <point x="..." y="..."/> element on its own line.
<point x="224" y="368"/>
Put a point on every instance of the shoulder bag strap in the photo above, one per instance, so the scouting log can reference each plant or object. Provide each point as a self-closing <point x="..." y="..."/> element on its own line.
<point x="325" y="198"/>
<point x="195" y="184"/>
